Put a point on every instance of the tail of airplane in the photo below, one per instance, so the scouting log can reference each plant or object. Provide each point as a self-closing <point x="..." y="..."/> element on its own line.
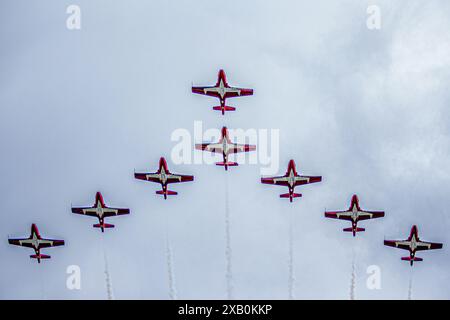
<point x="291" y="196"/>
<point x="39" y="257"/>
<point x="227" y="164"/>
<point x="353" y="230"/>
<point x="411" y="260"/>
<point x="166" y="193"/>
<point x="224" y="108"/>
<point x="103" y="226"/>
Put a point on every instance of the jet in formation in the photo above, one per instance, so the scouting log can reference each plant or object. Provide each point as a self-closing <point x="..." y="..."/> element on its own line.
<point x="354" y="214"/>
<point x="225" y="147"/>
<point x="291" y="179"/>
<point x="36" y="242"/>
<point x="164" y="177"/>
<point x="101" y="211"/>
<point x="413" y="244"/>
<point x="222" y="91"/>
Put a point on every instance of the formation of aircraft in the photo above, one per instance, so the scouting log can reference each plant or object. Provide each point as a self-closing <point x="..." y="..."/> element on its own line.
<point x="413" y="244"/>
<point x="36" y="242"/>
<point x="354" y="214"/>
<point x="100" y="211"/>
<point x="222" y="91"/>
<point x="164" y="177"/>
<point x="291" y="179"/>
<point x="226" y="147"/>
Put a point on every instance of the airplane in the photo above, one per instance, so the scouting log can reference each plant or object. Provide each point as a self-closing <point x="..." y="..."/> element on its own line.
<point x="226" y="147"/>
<point x="222" y="91"/>
<point x="101" y="211"/>
<point x="354" y="214"/>
<point x="36" y="242"/>
<point x="163" y="176"/>
<point x="413" y="244"/>
<point x="291" y="179"/>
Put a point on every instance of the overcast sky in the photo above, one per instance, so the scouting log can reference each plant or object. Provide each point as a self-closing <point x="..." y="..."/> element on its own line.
<point x="366" y="109"/>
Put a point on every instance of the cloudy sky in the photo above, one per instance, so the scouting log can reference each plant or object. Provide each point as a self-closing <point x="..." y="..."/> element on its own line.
<point x="366" y="109"/>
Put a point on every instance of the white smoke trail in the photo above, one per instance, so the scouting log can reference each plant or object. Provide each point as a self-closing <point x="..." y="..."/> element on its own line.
<point x="170" y="270"/>
<point x="229" y="274"/>
<point x="109" y="288"/>
<point x="353" y="276"/>
<point x="291" y="258"/>
<point x="410" y="285"/>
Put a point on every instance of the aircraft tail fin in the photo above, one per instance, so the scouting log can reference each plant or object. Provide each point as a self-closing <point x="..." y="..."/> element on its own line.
<point x="288" y="195"/>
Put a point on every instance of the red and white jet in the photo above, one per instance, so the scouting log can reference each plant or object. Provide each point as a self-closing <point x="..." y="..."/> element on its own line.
<point x="413" y="244"/>
<point x="222" y="91"/>
<point x="226" y="147"/>
<point x="354" y="214"/>
<point x="163" y="176"/>
<point x="36" y="242"/>
<point x="291" y="179"/>
<point x="101" y="211"/>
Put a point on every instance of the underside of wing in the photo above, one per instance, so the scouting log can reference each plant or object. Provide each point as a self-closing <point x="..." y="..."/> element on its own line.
<point x="46" y="243"/>
<point x="88" y="211"/>
<point x="205" y="91"/>
<point x="365" y="215"/>
<point x="147" y="177"/>
<point x="423" y="245"/>
<point x="110" y="212"/>
<point x="307" y="179"/>
<point x="18" y="242"/>
<point x="176" y="178"/>
<point x="211" y="147"/>
<point x="396" y="244"/>
<point x="280" y="181"/>
<point x="341" y="215"/>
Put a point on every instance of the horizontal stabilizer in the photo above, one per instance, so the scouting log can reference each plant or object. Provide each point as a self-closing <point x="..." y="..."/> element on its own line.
<point x="168" y="192"/>
<point x="229" y="164"/>
<point x="356" y="230"/>
<point x="105" y="225"/>
<point x="287" y="195"/>
<point x="40" y="256"/>
<point x="411" y="259"/>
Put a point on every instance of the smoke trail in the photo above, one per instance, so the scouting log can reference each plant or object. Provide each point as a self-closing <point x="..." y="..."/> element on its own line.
<point x="353" y="277"/>
<point x="229" y="274"/>
<point x="410" y="285"/>
<point x="291" y="258"/>
<point x="171" y="273"/>
<point x="109" y="289"/>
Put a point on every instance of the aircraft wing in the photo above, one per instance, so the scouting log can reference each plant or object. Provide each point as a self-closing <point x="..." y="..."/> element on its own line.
<point x="342" y="215"/>
<point x="110" y="212"/>
<point x="201" y="90"/>
<point x="43" y="243"/>
<point x="280" y="180"/>
<point x="299" y="180"/>
<point x="401" y="244"/>
<point x="176" y="178"/>
<point x="239" y="92"/>
<point x="365" y="215"/>
<point x="211" y="147"/>
<point x="236" y="148"/>
<point x="423" y="245"/>
<point x="46" y="243"/>
<point x="154" y="177"/>
<point x="88" y="211"/>
<point x="21" y="242"/>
